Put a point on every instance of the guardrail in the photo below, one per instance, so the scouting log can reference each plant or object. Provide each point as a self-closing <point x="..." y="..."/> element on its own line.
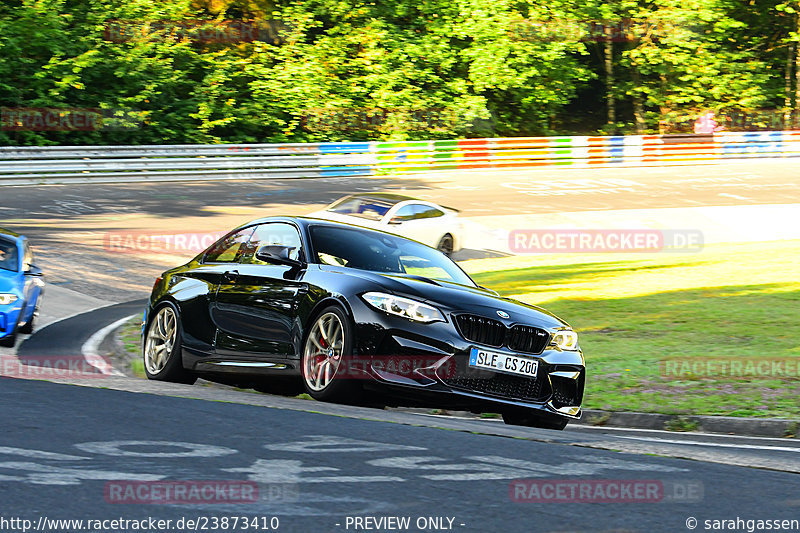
<point x="75" y="164"/>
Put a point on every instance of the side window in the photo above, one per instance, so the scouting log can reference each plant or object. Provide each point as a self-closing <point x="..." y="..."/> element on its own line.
<point x="9" y="260"/>
<point x="228" y="249"/>
<point x="426" y="211"/>
<point x="405" y="213"/>
<point x="273" y="233"/>
<point x="416" y="212"/>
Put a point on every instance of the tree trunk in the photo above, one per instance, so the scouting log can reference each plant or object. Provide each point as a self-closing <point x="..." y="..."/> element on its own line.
<point x="663" y="124"/>
<point x="797" y="79"/>
<point x="611" y="104"/>
<point x="787" y="78"/>
<point x="638" y="107"/>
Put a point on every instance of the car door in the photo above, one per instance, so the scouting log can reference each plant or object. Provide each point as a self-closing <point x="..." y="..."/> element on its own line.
<point x="255" y="308"/>
<point x="32" y="285"/>
<point x="195" y="288"/>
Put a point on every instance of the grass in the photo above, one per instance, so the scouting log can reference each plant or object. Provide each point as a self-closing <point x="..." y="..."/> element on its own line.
<point x="681" y="423"/>
<point x="130" y="335"/>
<point x="635" y="311"/>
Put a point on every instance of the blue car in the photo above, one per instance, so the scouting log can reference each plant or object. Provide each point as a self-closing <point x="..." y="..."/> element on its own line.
<point x="21" y="287"/>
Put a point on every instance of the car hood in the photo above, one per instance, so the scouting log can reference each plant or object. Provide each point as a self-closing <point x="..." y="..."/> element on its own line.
<point x="454" y="298"/>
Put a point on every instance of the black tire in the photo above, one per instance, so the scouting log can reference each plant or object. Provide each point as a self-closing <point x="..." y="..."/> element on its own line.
<point x="528" y="419"/>
<point x="27" y="327"/>
<point x="172" y="369"/>
<point x="9" y="340"/>
<point x="340" y="389"/>
<point x="446" y="244"/>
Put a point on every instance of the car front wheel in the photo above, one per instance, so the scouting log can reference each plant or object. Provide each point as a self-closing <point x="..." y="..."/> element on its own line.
<point x="161" y="349"/>
<point x="325" y="353"/>
<point x="446" y="244"/>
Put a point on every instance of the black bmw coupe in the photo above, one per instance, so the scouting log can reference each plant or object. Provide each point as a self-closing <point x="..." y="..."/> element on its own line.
<point x="358" y="316"/>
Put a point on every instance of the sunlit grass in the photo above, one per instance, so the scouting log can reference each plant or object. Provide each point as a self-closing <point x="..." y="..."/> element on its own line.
<point x="130" y="335"/>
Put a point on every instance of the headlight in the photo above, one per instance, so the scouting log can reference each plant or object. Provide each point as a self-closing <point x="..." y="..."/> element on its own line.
<point x="404" y="307"/>
<point x="6" y="299"/>
<point x="565" y="339"/>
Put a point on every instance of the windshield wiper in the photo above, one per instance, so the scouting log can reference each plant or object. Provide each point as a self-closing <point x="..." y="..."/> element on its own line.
<point x="422" y="278"/>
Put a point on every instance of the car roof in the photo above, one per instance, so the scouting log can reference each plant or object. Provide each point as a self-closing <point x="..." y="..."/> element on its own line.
<point x="395" y="199"/>
<point x="306" y="221"/>
<point x="385" y="196"/>
<point x="8" y="233"/>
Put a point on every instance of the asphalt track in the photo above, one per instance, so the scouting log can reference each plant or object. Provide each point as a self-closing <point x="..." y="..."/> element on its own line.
<point x="474" y="192"/>
<point x="69" y="224"/>
<point x="317" y="465"/>
<point x="315" y="470"/>
<point x="67" y="337"/>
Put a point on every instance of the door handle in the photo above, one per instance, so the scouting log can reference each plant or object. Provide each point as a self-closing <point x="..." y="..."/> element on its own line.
<point x="230" y="276"/>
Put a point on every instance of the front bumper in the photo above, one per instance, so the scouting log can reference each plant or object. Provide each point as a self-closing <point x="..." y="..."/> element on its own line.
<point x="430" y="361"/>
<point x="9" y="318"/>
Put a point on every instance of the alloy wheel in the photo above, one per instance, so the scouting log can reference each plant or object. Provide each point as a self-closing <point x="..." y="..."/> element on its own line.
<point x="323" y="351"/>
<point x="160" y="340"/>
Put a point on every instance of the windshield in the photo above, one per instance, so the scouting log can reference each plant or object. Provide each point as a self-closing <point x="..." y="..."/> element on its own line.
<point x="371" y="208"/>
<point x="379" y="252"/>
<point x="8" y="255"/>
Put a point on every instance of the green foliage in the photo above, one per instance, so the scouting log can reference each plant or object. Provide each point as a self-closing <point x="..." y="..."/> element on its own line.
<point x="681" y="423"/>
<point x="433" y="68"/>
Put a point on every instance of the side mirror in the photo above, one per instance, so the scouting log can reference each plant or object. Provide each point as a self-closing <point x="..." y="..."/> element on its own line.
<point x="34" y="271"/>
<point x="277" y="254"/>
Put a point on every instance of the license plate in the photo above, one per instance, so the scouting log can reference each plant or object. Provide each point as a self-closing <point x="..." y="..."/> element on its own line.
<point x="502" y="362"/>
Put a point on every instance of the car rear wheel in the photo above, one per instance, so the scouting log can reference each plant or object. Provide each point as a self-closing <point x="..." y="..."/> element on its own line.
<point x="161" y="349"/>
<point x="446" y="244"/>
<point x="525" y="418"/>
<point x="327" y="347"/>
